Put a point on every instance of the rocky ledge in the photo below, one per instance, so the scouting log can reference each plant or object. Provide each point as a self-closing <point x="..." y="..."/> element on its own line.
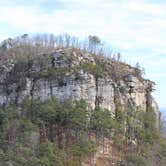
<point x="72" y="73"/>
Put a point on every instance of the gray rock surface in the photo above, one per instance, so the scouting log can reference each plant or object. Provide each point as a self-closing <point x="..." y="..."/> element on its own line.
<point x="18" y="82"/>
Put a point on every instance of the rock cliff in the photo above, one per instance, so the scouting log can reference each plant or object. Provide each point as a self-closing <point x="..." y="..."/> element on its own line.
<point x="72" y="73"/>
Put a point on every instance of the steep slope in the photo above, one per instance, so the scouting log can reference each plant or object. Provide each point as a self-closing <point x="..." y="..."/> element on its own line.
<point x="73" y="74"/>
<point x="68" y="73"/>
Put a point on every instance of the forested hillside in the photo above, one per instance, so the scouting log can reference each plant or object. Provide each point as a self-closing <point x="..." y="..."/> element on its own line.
<point x="64" y="102"/>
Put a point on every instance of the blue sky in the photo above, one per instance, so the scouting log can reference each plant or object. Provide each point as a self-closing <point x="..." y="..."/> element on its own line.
<point x="136" y="28"/>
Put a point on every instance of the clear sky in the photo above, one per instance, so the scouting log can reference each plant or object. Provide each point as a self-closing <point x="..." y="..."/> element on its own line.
<point x="136" y="28"/>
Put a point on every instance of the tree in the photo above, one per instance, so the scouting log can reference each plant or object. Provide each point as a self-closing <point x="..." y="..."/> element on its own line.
<point x="47" y="114"/>
<point x="140" y="71"/>
<point x="102" y="122"/>
<point x="135" y="159"/>
<point x="83" y="147"/>
<point x="74" y="115"/>
<point x="49" y="155"/>
<point x="94" y="42"/>
<point x="120" y="119"/>
<point x="149" y="119"/>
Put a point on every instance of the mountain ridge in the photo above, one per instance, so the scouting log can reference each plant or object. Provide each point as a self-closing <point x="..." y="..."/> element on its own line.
<point x="73" y="99"/>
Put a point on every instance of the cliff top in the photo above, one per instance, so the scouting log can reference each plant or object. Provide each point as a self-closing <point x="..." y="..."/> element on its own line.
<point x="44" y="52"/>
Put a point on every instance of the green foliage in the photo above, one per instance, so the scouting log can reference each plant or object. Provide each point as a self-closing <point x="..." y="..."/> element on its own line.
<point x="146" y="135"/>
<point x="83" y="147"/>
<point x="26" y="128"/>
<point x="102" y="122"/>
<point x="20" y="155"/>
<point x="9" y="113"/>
<point x="119" y="114"/>
<point x="26" y="125"/>
<point x="94" y="41"/>
<point x="161" y="151"/>
<point x="65" y="126"/>
<point x="120" y="119"/>
<point x="46" y="111"/>
<point x="135" y="159"/>
<point x="59" y="122"/>
<point x="149" y="119"/>
<point x="2" y="116"/>
<point x="69" y="114"/>
<point x="2" y="157"/>
<point x="96" y="69"/>
<point x="77" y="117"/>
<point x="44" y="161"/>
<point x="55" y="73"/>
<point x="34" y="161"/>
<point x="139" y="71"/>
<point x="42" y="60"/>
<point x="49" y="155"/>
<point x="147" y="132"/>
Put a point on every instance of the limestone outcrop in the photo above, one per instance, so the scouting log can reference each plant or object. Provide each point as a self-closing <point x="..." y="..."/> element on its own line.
<point x="71" y="73"/>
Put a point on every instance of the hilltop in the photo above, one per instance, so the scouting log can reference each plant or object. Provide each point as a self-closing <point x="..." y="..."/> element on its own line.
<point x="65" y="103"/>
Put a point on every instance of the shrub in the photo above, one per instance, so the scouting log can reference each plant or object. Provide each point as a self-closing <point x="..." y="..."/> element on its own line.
<point x="135" y="159"/>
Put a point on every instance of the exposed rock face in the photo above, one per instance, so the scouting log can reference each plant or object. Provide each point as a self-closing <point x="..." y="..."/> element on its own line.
<point x="158" y="114"/>
<point x="77" y="79"/>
